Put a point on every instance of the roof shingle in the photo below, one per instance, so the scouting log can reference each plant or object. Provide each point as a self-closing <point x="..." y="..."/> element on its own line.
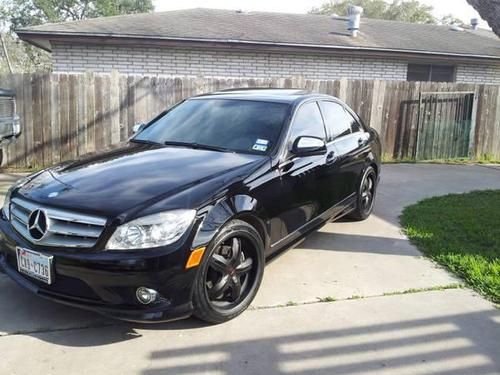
<point x="279" y="28"/>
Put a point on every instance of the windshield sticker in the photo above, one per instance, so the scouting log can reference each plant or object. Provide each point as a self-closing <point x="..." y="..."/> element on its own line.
<point x="260" y="145"/>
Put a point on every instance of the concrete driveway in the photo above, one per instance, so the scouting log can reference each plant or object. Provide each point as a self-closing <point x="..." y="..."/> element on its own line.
<point x="373" y="326"/>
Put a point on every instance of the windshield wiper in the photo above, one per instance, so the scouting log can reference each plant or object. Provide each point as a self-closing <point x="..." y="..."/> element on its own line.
<point x="197" y="146"/>
<point x="144" y="141"/>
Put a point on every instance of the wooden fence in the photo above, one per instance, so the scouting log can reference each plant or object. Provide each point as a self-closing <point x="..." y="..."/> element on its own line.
<point x="65" y="116"/>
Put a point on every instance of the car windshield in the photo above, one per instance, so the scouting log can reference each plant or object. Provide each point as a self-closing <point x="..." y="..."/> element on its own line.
<point x="220" y="124"/>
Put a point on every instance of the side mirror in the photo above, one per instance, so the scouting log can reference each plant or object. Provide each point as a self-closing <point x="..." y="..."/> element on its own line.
<point x="307" y="145"/>
<point x="138" y="127"/>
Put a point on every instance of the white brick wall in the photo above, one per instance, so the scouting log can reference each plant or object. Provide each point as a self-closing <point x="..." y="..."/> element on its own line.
<point x="240" y="64"/>
<point x="489" y="74"/>
<point x="216" y="63"/>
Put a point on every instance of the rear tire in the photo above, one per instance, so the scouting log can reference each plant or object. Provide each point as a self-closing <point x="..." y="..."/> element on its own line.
<point x="230" y="273"/>
<point x="366" y="195"/>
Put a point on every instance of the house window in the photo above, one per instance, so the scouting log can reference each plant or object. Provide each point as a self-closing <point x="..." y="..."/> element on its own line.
<point x="427" y="72"/>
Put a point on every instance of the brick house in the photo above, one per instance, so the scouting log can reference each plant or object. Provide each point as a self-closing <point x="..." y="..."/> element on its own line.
<point x="224" y="43"/>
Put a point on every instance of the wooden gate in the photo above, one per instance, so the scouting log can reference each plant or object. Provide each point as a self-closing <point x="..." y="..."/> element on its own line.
<point x="445" y="125"/>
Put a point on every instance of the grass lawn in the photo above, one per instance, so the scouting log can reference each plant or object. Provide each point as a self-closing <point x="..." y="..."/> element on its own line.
<point x="461" y="232"/>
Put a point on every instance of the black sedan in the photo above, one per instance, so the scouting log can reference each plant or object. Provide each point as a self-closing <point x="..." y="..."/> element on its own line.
<point x="180" y="220"/>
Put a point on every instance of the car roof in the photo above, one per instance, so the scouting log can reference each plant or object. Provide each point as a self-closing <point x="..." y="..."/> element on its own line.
<point x="263" y="94"/>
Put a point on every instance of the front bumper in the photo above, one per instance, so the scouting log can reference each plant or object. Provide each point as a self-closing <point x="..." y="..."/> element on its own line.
<point x="105" y="282"/>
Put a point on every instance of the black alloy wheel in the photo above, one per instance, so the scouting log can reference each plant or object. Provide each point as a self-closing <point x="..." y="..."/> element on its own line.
<point x="366" y="195"/>
<point x="230" y="274"/>
<point x="368" y="191"/>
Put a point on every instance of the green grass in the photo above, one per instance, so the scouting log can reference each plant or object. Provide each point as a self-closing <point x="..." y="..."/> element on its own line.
<point x="461" y="232"/>
<point x="327" y="299"/>
<point x="483" y="159"/>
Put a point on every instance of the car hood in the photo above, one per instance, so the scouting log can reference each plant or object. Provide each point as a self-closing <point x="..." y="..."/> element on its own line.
<point x="131" y="176"/>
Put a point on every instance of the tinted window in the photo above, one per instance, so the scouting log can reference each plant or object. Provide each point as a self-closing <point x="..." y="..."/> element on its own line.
<point x="239" y="125"/>
<point x="338" y="121"/>
<point x="427" y="72"/>
<point x="308" y="121"/>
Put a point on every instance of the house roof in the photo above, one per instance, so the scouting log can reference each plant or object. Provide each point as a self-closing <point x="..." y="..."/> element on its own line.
<point x="227" y="27"/>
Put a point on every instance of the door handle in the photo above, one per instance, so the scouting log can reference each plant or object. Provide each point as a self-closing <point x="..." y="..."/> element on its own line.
<point x="330" y="157"/>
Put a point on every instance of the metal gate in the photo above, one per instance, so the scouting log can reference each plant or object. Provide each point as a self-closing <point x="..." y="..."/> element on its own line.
<point x="445" y="125"/>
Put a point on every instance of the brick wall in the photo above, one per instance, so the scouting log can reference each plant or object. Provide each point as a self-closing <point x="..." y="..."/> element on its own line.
<point x="487" y="74"/>
<point x="230" y="64"/>
<point x="239" y="64"/>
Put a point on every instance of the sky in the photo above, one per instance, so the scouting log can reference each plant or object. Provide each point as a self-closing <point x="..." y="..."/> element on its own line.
<point x="459" y="8"/>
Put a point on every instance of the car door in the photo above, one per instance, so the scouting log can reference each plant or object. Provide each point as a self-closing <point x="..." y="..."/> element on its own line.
<point x="300" y="175"/>
<point x="347" y="139"/>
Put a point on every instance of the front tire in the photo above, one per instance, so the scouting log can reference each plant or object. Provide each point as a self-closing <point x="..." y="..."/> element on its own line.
<point x="230" y="274"/>
<point x="366" y="195"/>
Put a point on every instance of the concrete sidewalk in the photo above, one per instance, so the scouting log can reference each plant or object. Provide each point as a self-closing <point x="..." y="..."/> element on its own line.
<point x="373" y="327"/>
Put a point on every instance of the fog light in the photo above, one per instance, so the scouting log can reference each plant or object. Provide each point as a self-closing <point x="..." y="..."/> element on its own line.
<point x="145" y="295"/>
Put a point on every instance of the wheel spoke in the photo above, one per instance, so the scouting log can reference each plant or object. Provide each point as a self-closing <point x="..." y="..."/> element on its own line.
<point x="235" y="288"/>
<point x="219" y="288"/>
<point x="245" y="266"/>
<point x="236" y="251"/>
<point x="370" y="184"/>
<point x="219" y="263"/>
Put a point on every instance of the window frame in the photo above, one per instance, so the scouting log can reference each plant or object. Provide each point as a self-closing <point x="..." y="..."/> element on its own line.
<point x="349" y="111"/>
<point x="286" y="154"/>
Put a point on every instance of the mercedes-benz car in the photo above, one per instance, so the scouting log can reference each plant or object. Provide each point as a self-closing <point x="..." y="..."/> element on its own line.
<point x="180" y="220"/>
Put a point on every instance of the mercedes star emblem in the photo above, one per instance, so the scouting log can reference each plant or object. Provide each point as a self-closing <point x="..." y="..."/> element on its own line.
<point x="37" y="224"/>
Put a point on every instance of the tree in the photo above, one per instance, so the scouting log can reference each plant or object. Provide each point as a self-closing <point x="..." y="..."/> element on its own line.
<point x="490" y="11"/>
<point x="16" y="14"/>
<point x="407" y="11"/>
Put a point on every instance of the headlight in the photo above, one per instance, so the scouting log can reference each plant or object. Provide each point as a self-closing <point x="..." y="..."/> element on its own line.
<point x="151" y="231"/>
<point x="6" y="203"/>
<point x="16" y="185"/>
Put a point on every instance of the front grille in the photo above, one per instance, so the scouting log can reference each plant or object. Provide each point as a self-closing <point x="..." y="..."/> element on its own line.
<point x="7" y="108"/>
<point x="65" y="228"/>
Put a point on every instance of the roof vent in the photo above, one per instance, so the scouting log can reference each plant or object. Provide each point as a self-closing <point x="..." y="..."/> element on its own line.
<point x="474" y="23"/>
<point x="456" y="27"/>
<point x="354" y="12"/>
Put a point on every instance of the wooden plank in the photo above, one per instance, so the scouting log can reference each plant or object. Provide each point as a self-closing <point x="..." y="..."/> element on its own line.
<point x="82" y="115"/>
<point x="90" y="112"/>
<point x="114" y="107"/>
<point x="20" y="144"/>
<point x="99" y="111"/>
<point x="37" y="115"/>
<point x="28" y="118"/>
<point x="106" y="111"/>
<point x="46" y="140"/>
<point x="123" y="90"/>
<point x="131" y="85"/>
<point x="55" y="129"/>
<point x="73" y="117"/>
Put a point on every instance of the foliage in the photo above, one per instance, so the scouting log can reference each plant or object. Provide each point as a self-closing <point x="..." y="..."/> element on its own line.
<point x="23" y="57"/>
<point x="461" y="232"/>
<point x="400" y="10"/>
<point x="15" y="14"/>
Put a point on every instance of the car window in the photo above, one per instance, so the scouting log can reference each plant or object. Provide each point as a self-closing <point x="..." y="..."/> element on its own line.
<point x="307" y="121"/>
<point x="338" y="121"/>
<point x="355" y="125"/>
<point x="238" y="125"/>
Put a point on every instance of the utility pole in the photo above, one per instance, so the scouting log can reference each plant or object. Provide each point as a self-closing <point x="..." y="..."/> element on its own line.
<point x="6" y="54"/>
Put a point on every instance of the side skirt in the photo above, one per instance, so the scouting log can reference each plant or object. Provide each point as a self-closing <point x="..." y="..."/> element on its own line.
<point x="334" y="213"/>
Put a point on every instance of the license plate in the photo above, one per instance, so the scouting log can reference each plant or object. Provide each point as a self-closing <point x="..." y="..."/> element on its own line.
<point x="36" y="265"/>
